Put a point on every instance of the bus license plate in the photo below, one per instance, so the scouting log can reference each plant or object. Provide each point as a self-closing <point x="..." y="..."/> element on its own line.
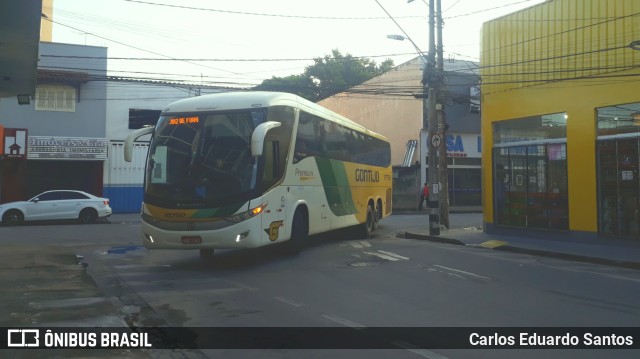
<point x="191" y="240"/>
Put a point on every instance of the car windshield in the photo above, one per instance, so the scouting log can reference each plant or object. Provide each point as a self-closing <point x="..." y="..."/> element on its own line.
<point x="203" y="156"/>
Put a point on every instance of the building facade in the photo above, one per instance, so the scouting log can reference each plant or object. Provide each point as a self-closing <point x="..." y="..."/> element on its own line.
<point x="57" y="141"/>
<point x="386" y="104"/>
<point x="561" y="119"/>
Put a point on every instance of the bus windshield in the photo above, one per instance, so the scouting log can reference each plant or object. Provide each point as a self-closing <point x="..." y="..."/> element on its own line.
<point x="202" y="157"/>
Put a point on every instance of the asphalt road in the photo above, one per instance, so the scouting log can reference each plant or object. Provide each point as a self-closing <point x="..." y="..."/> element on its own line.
<point x="340" y="280"/>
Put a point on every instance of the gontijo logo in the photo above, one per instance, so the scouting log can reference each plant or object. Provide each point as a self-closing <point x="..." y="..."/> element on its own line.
<point x="367" y="175"/>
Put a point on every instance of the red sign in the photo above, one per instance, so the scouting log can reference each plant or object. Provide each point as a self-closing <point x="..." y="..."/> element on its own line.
<point x="14" y="143"/>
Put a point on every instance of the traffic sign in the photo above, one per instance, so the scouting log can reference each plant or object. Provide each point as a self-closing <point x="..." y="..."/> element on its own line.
<point x="436" y="140"/>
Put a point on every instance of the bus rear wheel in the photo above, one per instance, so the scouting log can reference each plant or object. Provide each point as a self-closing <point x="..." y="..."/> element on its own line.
<point x="206" y="253"/>
<point x="368" y="226"/>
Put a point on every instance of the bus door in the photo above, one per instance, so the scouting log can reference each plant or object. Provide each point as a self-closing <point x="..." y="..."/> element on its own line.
<point x="273" y="218"/>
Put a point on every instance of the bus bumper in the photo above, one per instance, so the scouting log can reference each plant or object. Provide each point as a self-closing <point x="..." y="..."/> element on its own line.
<point x="246" y="234"/>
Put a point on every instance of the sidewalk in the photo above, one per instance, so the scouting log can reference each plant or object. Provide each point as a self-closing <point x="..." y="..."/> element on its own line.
<point x="124" y="218"/>
<point x="607" y="251"/>
<point x="453" y="209"/>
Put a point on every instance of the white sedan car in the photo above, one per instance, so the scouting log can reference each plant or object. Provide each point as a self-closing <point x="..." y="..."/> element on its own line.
<point x="54" y="205"/>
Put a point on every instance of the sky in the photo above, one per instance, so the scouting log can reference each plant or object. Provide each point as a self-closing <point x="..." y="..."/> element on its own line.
<point x="240" y="43"/>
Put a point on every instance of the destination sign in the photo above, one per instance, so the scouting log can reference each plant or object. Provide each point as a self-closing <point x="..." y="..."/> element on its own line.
<point x="184" y="120"/>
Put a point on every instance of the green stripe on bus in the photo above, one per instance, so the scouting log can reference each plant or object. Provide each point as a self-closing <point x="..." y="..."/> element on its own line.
<point x="220" y="212"/>
<point x="336" y="186"/>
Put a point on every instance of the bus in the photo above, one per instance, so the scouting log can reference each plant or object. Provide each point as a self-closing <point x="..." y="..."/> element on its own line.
<point x="249" y="169"/>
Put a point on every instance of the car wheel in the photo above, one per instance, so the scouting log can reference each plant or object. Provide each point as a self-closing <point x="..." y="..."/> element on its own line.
<point x="88" y="215"/>
<point x="13" y="218"/>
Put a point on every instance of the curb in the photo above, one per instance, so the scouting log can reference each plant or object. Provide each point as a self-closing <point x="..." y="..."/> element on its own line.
<point x="426" y="212"/>
<point x="431" y="238"/>
<point x="572" y="257"/>
<point x="536" y="252"/>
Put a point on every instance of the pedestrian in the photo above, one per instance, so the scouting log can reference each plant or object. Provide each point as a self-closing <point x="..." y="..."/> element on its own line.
<point x="424" y="196"/>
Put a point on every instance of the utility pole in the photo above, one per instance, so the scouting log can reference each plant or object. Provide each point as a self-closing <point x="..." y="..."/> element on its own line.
<point x="430" y="85"/>
<point x="442" y="125"/>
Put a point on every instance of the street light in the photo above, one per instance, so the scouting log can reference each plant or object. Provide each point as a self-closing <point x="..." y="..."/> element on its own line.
<point x="396" y="37"/>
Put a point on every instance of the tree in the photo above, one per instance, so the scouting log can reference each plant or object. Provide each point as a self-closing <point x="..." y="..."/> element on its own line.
<point x="327" y="76"/>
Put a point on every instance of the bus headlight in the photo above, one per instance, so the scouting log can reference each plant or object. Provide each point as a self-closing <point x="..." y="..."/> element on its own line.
<point x="248" y="214"/>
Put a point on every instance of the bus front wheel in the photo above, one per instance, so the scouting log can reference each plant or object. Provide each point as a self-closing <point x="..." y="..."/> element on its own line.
<point x="299" y="232"/>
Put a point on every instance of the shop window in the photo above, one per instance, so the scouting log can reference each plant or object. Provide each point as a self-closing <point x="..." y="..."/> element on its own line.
<point x="535" y="128"/>
<point x="530" y="180"/>
<point x="619" y="187"/>
<point x="465" y="187"/>
<point x="55" y="98"/>
<point x="619" y="119"/>
<point x="618" y="155"/>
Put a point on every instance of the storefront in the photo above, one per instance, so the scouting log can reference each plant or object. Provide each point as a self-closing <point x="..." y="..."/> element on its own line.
<point x="618" y="155"/>
<point x="530" y="172"/>
<point x="53" y="163"/>
<point x="463" y="165"/>
<point x="561" y="122"/>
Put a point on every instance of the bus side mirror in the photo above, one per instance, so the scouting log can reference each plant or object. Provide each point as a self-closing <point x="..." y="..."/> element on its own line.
<point x="257" y="138"/>
<point x="128" y="142"/>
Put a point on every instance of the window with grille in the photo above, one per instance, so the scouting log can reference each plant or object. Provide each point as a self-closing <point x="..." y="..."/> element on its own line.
<point x="55" y="98"/>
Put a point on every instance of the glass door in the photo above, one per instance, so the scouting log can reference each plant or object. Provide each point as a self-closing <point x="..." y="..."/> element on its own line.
<point x="517" y="187"/>
<point x="537" y="201"/>
<point x="530" y="186"/>
<point x="619" y="187"/>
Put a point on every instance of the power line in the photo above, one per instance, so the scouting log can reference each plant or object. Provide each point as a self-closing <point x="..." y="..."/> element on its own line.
<point x="489" y="9"/>
<point x="449" y="8"/>
<point x="137" y="48"/>
<point x="631" y="77"/>
<point x="263" y="14"/>
<point x="561" y="32"/>
<point x="554" y="57"/>
<point x="401" y="29"/>
<point x="211" y="80"/>
<point x="351" y="58"/>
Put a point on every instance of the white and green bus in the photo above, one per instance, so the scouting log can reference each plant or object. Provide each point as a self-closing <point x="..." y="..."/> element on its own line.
<point x="248" y="169"/>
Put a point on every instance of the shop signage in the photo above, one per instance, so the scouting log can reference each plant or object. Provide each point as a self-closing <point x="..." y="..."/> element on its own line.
<point x="462" y="145"/>
<point x="14" y="143"/>
<point x="67" y="148"/>
<point x="458" y="145"/>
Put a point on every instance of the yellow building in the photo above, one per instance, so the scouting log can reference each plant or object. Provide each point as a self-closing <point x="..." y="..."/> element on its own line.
<point x="46" y="24"/>
<point x="561" y="119"/>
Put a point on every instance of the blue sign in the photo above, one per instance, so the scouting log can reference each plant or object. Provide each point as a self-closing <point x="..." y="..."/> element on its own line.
<point x="454" y="144"/>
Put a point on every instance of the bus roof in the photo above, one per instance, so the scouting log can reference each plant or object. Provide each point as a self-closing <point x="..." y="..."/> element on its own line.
<point x="235" y="100"/>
